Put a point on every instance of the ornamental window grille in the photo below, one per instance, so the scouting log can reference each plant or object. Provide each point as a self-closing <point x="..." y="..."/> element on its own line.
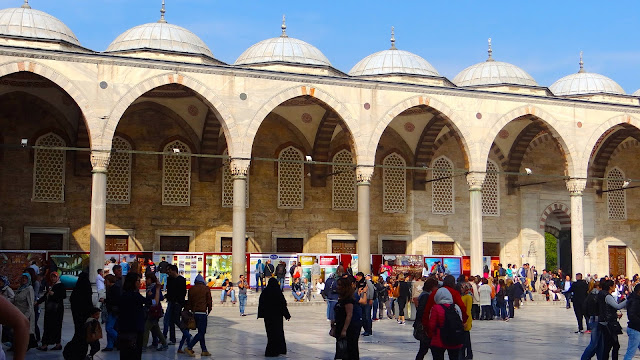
<point x="616" y="200"/>
<point x="442" y="186"/>
<point x="491" y="191"/>
<point x="343" y="182"/>
<point x="227" y="184"/>
<point x="119" y="172"/>
<point x="290" y="179"/>
<point x="394" y="184"/>
<point x="49" y="169"/>
<point x="176" y="174"/>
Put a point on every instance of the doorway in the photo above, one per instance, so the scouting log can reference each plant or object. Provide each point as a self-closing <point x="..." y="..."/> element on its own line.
<point x="617" y="260"/>
<point x="442" y="248"/>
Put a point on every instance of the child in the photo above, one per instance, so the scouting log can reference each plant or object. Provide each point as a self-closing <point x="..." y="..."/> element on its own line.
<point x="94" y="332"/>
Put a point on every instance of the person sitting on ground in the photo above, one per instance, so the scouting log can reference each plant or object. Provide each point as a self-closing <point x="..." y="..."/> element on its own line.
<point x="227" y="290"/>
<point x="319" y="288"/>
<point x="296" y="290"/>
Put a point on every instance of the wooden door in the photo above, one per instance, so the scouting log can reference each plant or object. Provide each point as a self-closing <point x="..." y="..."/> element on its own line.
<point x="343" y="246"/>
<point x="394" y="247"/>
<point x="42" y="241"/>
<point x="618" y="260"/>
<point x="442" y="248"/>
<point x="491" y="249"/>
<point x="226" y="244"/>
<point x="289" y="245"/>
<point x="116" y="243"/>
<point x="174" y="243"/>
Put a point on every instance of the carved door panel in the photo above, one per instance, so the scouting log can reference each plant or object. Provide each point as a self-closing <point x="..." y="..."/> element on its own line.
<point x="442" y="248"/>
<point x="116" y="243"/>
<point x="43" y="241"/>
<point x="174" y="243"/>
<point x="617" y="260"/>
<point x="226" y="244"/>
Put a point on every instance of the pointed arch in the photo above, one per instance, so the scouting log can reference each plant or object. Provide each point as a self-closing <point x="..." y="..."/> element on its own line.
<point x="561" y="211"/>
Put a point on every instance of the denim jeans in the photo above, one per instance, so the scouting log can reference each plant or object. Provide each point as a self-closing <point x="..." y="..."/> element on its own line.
<point x="281" y="281"/>
<point x="223" y="295"/>
<point x="494" y="307"/>
<point x="502" y="307"/>
<point x="366" y="318"/>
<point x="243" y="301"/>
<point x="163" y="280"/>
<point x="331" y="303"/>
<point x="201" y="323"/>
<point x="259" y="282"/>
<point x="634" y="343"/>
<point x="375" y="309"/>
<point x="112" y="334"/>
<point x="596" y="343"/>
<point x="298" y="297"/>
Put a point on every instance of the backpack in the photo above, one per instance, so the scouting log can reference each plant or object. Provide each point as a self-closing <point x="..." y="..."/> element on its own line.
<point x="590" y="306"/>
<point x="452" y="332"/>
<point x="330" y="287"/>
<point x="502" y="272"/>
<point x="292" y="269"/>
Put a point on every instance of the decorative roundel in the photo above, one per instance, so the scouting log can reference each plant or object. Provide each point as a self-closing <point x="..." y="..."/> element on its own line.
<point x="579" y="124"/>
<point x="503" y="134"/>
<point x="243" y="96"/>
<point x="367" y="106"/>
<point x="103" y="85"/>
<point x="409" y="127"/>
<point x="306" y="118"/>
<point x="478" y="116"/>
<point x="193" y="110"/>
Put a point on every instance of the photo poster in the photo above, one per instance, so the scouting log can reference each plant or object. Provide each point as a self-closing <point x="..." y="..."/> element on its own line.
<point x="69" y="265"/>
<point x="189" y="264"/>
<point x="328" y="265"/>
<point x="376" y="261"/>
<point x="288" y="259"/>
<point x="466" y="265"/>
<point x="218" y="267"/>
<point x="408" y="264"/>
<point x="430" y="261"/>
<point x="354" y="263"/>
<point x="486" y="262"/>
<point x="495" y="260"/>
<point x="452" y="266"/>
<point x="307" y="262"/>
<point x="129" y="261"/>
<point x="13" y="263"/>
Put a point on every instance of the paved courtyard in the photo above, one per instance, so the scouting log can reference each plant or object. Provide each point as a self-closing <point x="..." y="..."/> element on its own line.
<point x="537" y="332"/>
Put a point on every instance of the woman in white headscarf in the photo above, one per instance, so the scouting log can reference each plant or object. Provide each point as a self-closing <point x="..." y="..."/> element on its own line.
<point x="440" y="344"/>
<point x="24" y="302"/>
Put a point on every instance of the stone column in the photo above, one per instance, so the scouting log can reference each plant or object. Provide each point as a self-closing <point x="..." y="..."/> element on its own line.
<point x="475" y="181"/>
<point x="99" y="162"/>
<point x="239" y="169"/>
<point x="576" y="187"/>
<point x="363" y="178"/>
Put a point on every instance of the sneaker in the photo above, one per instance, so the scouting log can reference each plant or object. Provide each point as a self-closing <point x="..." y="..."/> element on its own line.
<point x="206" y="353"/>
<point x="401" y="323"/>
<point x="170" y="343"/>
<point x="588" y="332"/>
<point x="507" y="319"/>
<point x="189" y="352"/>
<point x="180" y="351"/>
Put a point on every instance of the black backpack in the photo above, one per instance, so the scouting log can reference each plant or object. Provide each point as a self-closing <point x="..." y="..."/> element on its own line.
<point x="452" y="333"/>
<point x="502" y="272"/>
<point x="292" y="269"/>
<point x="590" y="306"/>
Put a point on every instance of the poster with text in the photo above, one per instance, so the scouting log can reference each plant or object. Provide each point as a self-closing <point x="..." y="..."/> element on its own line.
<point x="13" y="263"/>
<point x="430" y="262"/>
<point x="218" y="268"/>
<point x="129" y="262"/>
<point x="328" y="264"/>
<point x="288" y="259"/>
<point x="307" y="262"/>
<point x="452" y="266"/>
<point x="405" y="264"/>
<point x="69" y="265"/>
<point x="189" y="264"/>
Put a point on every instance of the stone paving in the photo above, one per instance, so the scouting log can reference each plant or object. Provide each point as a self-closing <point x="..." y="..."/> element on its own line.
<point x="539" y="331"/>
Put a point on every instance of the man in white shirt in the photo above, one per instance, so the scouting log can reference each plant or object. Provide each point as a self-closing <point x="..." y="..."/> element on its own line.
<point x="35" y="267"/>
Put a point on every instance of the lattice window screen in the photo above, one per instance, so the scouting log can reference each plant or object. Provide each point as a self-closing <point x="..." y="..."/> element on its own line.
<point x="616" y="200"/>
<point x="491" y="191"/>
<point x="119" y="173"/>
<point x="176" y="175"/>
<point x="49" y="169"/>
<point x="394" y="185"/>
<point x="343" y="182"/>
<point x="290" y="179"/>
<point x="442" y="190"/>
<point x="227" y="185"/>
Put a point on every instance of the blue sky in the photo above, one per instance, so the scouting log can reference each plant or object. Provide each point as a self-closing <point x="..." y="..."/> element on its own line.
<point x="542" y="37"/>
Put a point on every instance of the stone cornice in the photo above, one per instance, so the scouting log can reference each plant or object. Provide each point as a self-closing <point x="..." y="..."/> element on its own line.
<point x="230" y="70"/>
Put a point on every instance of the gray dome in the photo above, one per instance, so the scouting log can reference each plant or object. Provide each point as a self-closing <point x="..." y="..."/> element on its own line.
<point x="283" y="49"/>
<point x="585" y="83"/>
<point x="27" y="22"/>
<point x="160" y="36"/>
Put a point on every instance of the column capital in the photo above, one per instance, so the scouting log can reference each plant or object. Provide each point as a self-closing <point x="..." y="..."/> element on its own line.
<point x="239" y="167"/>
<point x="476" y="180"/>
<point x="576" y="186"/>
<point x="100" y="160"/>
<point x="364" y="174"/>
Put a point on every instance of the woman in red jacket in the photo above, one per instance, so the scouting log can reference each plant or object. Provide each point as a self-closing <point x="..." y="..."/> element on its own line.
<point x="443" y="298"/>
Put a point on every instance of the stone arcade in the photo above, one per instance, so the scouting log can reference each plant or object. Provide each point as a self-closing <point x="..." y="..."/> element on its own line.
<point x="391" y="157"/>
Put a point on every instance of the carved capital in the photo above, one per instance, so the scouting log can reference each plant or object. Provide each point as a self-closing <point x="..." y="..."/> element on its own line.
<point x="364" y="174"/>
<point x="100" y="160"/>
<point x="239" y="167"/>
<point x="476" y="180"/>
<point x="576" y="186"/>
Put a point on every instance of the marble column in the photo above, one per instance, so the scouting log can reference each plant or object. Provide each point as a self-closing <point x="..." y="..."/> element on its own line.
<point x="576" y="187"/>
<point x="363" y="182"/>
<point x="239" y="169"/>
<point x="475" y="181"/>
<point x="100" y="163"/>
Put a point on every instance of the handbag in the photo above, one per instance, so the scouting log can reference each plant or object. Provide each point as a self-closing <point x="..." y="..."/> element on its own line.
<point x="188" y="320"/>
<point x="614" y="327"/>
<point x="156" y="312"/>
<point x="334" y="330"/>
<point x="341" y="349"/>
<point x="418" y="332"/>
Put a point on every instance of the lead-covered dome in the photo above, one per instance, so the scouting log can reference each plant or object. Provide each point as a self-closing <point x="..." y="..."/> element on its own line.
<point x="283" y="49"/>
<point x="393" y="61"/>
<point x="584" y="82"/>
<point x="493" y="72"/>
<point x="27" y="22"/>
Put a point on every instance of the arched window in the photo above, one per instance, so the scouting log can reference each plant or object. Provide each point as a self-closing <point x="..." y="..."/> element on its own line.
<point x="343" y="182"/>
<point x="290" y="179"/>
<point x="442" y="186"/>
<point x="394" y="184"/>
<point x="227" y="184"/>
<point x="616" y="200"/>
<point x="48" y="169"/>
<point x="491" y="191"/>
<point x="119" y="173"/>
<point x="176" y="174"/>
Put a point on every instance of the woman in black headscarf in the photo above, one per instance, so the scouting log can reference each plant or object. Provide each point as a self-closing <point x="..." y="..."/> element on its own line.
<point x="53" y="313"/>
<point x="81" y="302"/>
<point x="272" y="307"/>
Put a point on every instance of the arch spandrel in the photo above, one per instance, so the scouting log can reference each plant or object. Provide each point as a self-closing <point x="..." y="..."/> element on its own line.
<point x="296" y="91"/>
<point x="210" y="98"/>
<point x="63" y="82"/>
<point x="421" y="100"/>
<point x="554" y="126"/>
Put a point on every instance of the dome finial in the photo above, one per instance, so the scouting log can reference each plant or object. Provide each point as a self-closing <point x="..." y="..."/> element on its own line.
<point x="284" y="27"/>
<point x="581" y="64"/>
<point x="26" y="5"/>
<point x="490" y="51"/>
<point x="162" y="11"/>
<point x="393" y="38"/>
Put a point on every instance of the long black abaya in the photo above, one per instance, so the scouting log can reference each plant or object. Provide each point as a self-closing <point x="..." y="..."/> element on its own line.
<point x="53" y="315"/>
<point x="272" y="307"/>
<point x="81" y="301"/>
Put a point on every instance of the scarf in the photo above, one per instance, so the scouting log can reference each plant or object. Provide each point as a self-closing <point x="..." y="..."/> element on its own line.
<point x="24" y="286"/>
